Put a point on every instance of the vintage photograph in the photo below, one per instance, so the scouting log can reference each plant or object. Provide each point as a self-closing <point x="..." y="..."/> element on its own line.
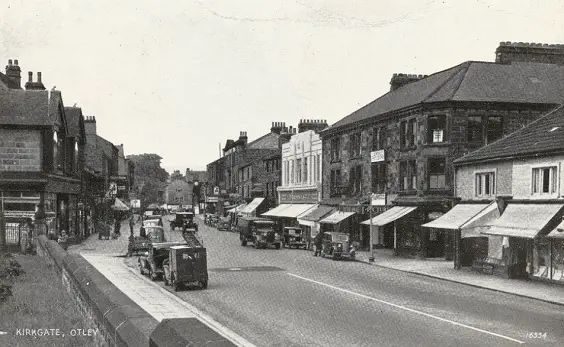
<point x="281" y="173"/>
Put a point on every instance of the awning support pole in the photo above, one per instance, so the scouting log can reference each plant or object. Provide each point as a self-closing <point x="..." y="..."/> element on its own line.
<point x="457" y="248"/>
<point x="371" y="258"/>
<point x="395" y="239"/>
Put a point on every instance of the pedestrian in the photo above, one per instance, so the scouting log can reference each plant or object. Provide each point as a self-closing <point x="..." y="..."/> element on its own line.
<point x="318" y="243"/>
<point x="117" y="227"/>
<point x="131" y="224"/>
<point x="63" y="240"/>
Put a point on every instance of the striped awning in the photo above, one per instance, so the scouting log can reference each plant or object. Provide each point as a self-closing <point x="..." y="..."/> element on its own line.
<point x="390" y="215"/>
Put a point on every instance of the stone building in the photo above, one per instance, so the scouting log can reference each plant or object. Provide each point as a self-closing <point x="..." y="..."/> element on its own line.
<point x="179" y="192"/>
<point x="398" y="150"/>
<point x="246" y="168"/>
<point x="41" y="152"/>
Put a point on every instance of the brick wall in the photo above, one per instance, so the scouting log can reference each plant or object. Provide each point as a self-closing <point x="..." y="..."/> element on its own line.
<point x="20" y="150"/>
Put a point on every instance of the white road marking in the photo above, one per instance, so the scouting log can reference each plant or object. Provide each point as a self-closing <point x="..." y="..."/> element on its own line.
<point x="237" y="339"/>
<point x="235" y="269"/>
<point x="407" y="309"/>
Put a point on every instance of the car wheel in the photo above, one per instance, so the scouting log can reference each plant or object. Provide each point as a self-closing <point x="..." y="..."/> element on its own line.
<point x="204" y="284"/>
<point x="141" y="269"/>
<point x="165" y="280"/>
<point x="277" y="246"/>
<point x="152" y="275"/>
<point x="322" y="254"/>
<point x="243" y="243"/>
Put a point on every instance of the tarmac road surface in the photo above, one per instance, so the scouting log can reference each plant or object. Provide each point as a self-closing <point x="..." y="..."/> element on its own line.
<point x="288" y="297"/>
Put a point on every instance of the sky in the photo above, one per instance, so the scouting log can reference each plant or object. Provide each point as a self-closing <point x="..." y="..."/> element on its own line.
<point x="179" y="78"/>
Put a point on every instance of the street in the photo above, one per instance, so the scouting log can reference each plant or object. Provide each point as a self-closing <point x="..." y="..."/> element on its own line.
<point x="288" y="297"/>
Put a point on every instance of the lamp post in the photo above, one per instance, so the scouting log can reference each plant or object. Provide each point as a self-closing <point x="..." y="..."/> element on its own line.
<point x="371" y="257"/>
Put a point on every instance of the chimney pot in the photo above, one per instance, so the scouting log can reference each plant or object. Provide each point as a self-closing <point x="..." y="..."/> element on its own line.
<point x="39" y="77"/>
<point x="16" y="62"/>
<point x="9" y="62"/>
<point x="30" y="76"/>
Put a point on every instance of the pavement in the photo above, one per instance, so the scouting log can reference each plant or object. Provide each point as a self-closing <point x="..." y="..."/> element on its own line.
<point x="290" y="298"/>
<point x="444" y="270"/>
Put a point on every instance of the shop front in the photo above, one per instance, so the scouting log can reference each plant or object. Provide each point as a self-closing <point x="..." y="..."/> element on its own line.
<point x="309" y="221"/>
<point x="518" y="245"/>
<point x="551" y="256"/>
<point x="464" y="224"/>
<point x="254" y="208"/>
<point x="381" y="224"/>
<point x="339" y="221"/>
<point x="286" y="215"/>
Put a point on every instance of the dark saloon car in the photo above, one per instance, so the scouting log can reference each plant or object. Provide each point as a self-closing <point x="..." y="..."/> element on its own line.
<point x="338" y="246"/>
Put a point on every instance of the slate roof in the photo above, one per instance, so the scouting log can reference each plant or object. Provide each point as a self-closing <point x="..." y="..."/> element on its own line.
<point x="73" y="115"/>
<point x="21" y="107"/>
<point x="543" y="136"/>
<point x="8" y="82"/>
<point x="472" y="81"/>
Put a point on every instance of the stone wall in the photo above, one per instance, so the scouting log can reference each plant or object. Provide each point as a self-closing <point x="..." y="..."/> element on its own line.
<point x="120" y="321"/>
<point x="20" y="150"/>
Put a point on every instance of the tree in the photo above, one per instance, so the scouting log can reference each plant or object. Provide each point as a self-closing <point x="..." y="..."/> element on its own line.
<point x="149" y="176"/>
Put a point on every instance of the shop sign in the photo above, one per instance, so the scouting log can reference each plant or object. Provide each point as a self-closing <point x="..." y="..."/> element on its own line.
<point x="136" y="203"/>
<point x="378" y="199"/>
<point x="377" y="156"/>
<point x="212" y="199"/>
<point x="215" y="190"/>
<point x="121" y="188"/>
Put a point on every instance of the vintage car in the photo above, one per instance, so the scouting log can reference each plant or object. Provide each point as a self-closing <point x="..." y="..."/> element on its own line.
<point x="258" y="231"/>
<point x="294" y="237"/>
<point x="154" y="221"/>
<point x="224" y="223"/>
<point x="214" y="219"/>
<point x="186" y="265"/>
<point x="150" y="234"/>
<point x="183" y="220"/>
<point x="338" y="246"/>
<point x="151" y="263"/>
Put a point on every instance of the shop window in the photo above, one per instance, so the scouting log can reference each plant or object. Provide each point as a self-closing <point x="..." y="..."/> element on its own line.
<point x="335" y="149"/>
<point x="378" y="177"/>
<point x="474" y="129"/>
<point x="412" y="169"/>
<point x="437" y="173"/>
<point x="355" y="140"/>
<point x="485" y="184"/>
<point x="494" y="129"/>
<point x="335" y="182"/>
<point x="291" y="171"/>
<point x="545" y="180"/>
<point x="436" y="129"/>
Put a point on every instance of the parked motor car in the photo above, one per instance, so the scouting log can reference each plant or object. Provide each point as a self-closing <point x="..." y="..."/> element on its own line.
<point x="214" y="219"/>
<point x="186" y="265"/>
<point x="294" y="237"/>
<point x="258" y="231"/>
<point x="151" y="263"/>
<point x="183" y="220"/>
<point x="224" y="224"/>
<point x="337" y="245"/>
<point x="149" y="234"/>
<point x="153" y="221"/>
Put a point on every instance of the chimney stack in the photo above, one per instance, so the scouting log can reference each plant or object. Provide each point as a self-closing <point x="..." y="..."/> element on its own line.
<point x="277" y="127"/>
<point x="316" y="125"/>
<point x="90" y="126"/>
<point x="243" y="137"/>
<point x="401" y="79"/>
<point x="30" y="85"/>
<point x="13" y="72"/>
<point x="508" y="52"/>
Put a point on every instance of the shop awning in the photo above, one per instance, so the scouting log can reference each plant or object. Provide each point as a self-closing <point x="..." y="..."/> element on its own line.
<point x="119" y="205"/>
<point x="317" y="213"/>
<point x="276" y="210"/>
<point x="295" y="210"/>
<point x="390" y="215"/>
<point x="558" y="232"/>
<point x="237" y="208"/>
<point x="306" y="222"/>
<point x="252" y="206"/>
<point x="336" y="217"/>
<point x="471" y="219"/>
<point x="523" y="220"/>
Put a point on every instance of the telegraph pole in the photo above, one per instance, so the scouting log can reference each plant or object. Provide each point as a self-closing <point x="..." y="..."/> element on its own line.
<point x="2" y="226"/>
